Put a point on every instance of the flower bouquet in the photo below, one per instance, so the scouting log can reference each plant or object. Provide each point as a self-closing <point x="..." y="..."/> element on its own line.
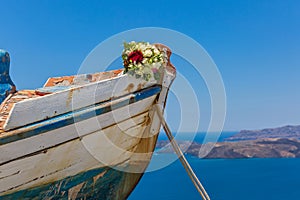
<point x="143" y="60"/>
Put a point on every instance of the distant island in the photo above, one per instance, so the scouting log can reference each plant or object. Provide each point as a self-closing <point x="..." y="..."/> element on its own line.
<point x="281" y="132"/>
<point x="282" y="142"/>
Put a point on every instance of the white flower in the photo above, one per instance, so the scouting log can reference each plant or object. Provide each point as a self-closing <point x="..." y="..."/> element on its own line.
<point x="142" y="47"/>
<point x="145" y="60"/>
<point x="148" y="53"/>
<point x="156" y="51"/>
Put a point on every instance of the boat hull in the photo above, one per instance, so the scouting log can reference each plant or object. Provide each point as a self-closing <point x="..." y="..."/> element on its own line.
<point x="100" y="183"/>
<point x="124" y="147"/>
<point x="90" y="141"/>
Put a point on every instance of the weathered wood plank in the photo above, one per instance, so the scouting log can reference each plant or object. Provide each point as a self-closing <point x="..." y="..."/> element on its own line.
<point x="61" y="135"/>
<point x="44" y="107"/>
<point x="75" y="156"/>
<point x="100" y="183"/>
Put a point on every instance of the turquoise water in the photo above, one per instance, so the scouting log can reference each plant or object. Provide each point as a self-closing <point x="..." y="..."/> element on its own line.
<point x="224" y="179"/>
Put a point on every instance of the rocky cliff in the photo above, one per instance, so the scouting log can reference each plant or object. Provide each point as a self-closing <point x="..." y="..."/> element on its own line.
<point x="280" y="142"/>
<point x="281" y="132"/>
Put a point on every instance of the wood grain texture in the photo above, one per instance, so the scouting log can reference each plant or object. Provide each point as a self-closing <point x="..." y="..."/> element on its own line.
<point x="51" y="105"/>
<point x="75" y="156"/>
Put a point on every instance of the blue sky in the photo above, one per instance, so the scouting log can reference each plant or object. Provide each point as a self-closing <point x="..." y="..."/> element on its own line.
<point x="255" y="45"/>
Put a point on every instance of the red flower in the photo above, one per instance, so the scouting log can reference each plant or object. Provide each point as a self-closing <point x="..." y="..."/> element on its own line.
<point x="136" y="56"/>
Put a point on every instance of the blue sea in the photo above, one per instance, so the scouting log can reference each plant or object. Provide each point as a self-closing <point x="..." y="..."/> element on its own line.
<point x="224" y="179"/>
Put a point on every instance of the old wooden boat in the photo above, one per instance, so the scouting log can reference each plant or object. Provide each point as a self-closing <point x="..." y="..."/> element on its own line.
<point x="80" y="137"/>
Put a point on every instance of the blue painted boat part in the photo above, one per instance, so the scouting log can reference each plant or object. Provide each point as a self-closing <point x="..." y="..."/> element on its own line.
<point x="101" y="183"/>
<point x="52" y="89"/>
<point x="6" y="84"/>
